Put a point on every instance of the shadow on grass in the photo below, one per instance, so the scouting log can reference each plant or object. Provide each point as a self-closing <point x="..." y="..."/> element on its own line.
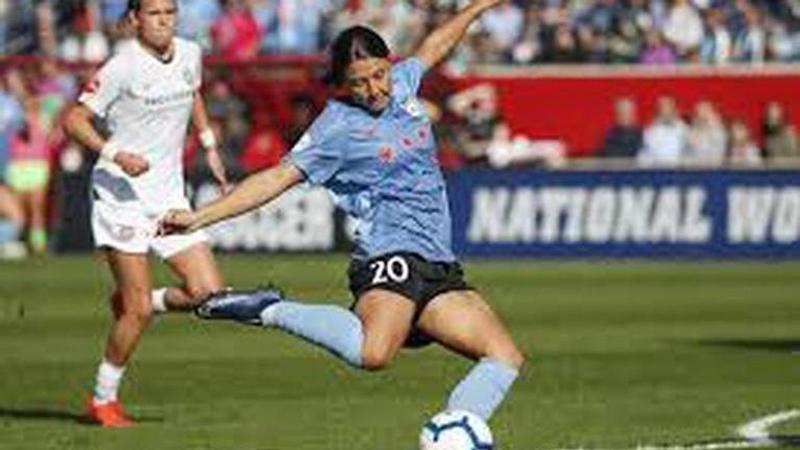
<point x="60" y="415"/>
<point x="772" y="345"/>
<point x="786" y="440"/>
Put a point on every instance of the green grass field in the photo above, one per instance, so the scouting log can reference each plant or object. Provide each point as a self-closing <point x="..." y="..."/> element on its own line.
<point x="621" y="354"/>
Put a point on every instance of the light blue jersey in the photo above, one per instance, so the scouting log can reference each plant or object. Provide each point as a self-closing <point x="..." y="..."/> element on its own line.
<point x="382" y="171"/>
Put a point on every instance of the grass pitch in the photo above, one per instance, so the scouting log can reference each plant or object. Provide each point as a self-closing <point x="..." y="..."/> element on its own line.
<point x="621" y="354"/>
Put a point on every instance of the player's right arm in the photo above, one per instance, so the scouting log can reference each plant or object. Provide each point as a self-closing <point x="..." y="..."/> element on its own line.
<point x="78" y="124"/>
<point x="98" y="96"/>
<point x="256" y="190"/>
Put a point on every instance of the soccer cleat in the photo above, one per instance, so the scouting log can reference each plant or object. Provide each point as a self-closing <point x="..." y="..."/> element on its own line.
<point x="107" y="415"/>
<point x="241" y="306"/>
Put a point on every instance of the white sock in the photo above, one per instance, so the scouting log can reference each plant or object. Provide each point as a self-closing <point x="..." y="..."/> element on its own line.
<point x="107" y="382"/>
<point x="158" y="300"/>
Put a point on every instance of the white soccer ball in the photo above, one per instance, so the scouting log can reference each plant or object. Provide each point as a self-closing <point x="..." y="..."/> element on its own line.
<point x="455" y="430"/>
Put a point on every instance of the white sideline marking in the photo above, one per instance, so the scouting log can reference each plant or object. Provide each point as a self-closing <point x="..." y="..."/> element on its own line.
<point x="757" y="429"/>
<point x="754" y="433"/>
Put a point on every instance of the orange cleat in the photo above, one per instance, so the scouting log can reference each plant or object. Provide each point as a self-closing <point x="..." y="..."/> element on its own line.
<point x="107" y="415"/>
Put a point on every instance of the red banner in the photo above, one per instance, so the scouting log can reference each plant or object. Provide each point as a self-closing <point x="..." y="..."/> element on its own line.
<point x="576" y="104"/>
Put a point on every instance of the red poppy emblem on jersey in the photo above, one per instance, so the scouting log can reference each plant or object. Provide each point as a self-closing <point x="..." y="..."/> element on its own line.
<point x="386" y="154"/>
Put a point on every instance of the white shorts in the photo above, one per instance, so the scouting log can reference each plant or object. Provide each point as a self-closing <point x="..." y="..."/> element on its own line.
<point x="131" y="230"/>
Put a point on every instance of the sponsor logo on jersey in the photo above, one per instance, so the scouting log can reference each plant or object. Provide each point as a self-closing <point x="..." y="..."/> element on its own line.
<point x="188" y="77"/>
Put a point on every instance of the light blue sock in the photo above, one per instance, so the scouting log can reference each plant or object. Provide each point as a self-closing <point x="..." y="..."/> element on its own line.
<point x="484" y="388"/>
<point x="331" y="327"/>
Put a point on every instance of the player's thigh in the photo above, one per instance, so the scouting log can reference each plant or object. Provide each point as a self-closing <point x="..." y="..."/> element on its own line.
<point x="198" y="269"/>
<point x="463" y="322"/>
<point x="131" y="272"/>
<point x="386" y="318"/>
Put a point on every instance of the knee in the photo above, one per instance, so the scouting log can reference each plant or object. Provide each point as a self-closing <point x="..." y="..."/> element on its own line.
<point x="132" y="305"/>
<point x="375" y="358"/>
<point x="507" y="353"/>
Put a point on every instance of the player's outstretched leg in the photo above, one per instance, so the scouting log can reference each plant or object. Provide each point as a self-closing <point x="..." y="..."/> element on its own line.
<point x="332" y="327"/>
<point x="463" y="322"/>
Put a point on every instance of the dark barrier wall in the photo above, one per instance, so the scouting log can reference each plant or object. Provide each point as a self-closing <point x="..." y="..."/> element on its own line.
<point x="707" y="214"/>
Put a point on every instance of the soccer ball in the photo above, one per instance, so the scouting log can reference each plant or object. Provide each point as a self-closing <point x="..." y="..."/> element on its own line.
<point x="456" y="430"/>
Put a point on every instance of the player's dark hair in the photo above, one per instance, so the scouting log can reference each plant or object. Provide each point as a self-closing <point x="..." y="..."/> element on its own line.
<point x="353" y="44"/>
<point x="134" y="5"/>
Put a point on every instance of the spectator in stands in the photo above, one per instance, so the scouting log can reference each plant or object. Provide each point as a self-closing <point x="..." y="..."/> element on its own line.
<point x="264" y="147"/>
<point x="505" y="25"/>
<point x="12" y="219"/>
<point x="302" y="114"/>
<point x="593" y="46"/>
<point x="780" y="136"/>
<point x="564" y="47"/>
<point x="11" y="119"/>
<point x="627" y="42"/>
<point x="751" y="43"/>
<point x="236" y="34"/>
<point x="666" y="138"/>
<point x="477" y="117"/>
<point x="529" y="48"/>
<point x="657" y="51"/>
<point x="54" y="88"/>
<point x="222" y="102"/>
<point x="45" y="29"/>
<point x="624" y="139"/>
<point x="717" y="45"/>
<point x="707" y="140"/>
<point x="684" y="27"/>
<point x="195" y="18"/>
<point x="85" y="39"/>
<point x="291" y="26"/>
<point x="743" y="150"/>
<point x="29" y="172"/>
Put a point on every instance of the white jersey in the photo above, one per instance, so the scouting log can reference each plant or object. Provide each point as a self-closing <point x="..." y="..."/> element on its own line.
<point x="147" y="104"/>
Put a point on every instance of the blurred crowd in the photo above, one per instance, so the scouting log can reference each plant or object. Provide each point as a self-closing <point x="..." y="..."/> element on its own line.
<point x="703" y="138"/>
<point x="520" y="32"/>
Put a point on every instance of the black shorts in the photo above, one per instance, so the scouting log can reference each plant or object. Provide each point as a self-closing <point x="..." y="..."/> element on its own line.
<point x="409" y="275"/>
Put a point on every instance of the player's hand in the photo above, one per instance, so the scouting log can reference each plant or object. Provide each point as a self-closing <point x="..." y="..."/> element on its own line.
<point x="131" y="163"/>
<point x="214" y="161"/>
<point x="176" y="221"/>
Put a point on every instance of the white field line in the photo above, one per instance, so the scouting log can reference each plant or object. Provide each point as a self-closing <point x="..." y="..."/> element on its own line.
<point x="754" y="434"/>
<point x="759" y="429"/>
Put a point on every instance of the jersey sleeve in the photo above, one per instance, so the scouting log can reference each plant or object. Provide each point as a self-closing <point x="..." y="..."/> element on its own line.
<point x="407" y="75"/>
<point x="105" y="87"/>
<point x="320" y="151"/>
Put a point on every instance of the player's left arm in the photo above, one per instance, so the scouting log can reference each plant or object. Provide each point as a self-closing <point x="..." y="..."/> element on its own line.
<point x="256" y="190"/>
<point x="436" y="46"/>
<point x="209" y="141"/>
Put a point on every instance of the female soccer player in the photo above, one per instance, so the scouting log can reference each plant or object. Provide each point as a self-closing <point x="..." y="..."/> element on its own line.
<point x="147" y="93"/>
<point x="373" y="149"/>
